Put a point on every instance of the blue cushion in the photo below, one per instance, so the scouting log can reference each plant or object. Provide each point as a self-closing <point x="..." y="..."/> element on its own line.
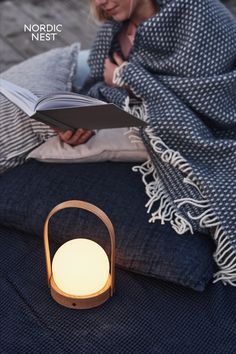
<point x="30" y="191"/>
<point x="46" y="73"/>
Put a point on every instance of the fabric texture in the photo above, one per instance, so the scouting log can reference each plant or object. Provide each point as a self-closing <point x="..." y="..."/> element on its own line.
<point x="49" y="72"/>
<point x="144" y="316"/>
<point x="183" y="68"/>
<point x="29" y="192"/>
<point x="105" y="145"/>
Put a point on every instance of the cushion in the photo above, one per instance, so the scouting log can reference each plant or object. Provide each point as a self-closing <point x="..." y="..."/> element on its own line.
<point x="30" y="191"/>
<point x="105" y="145"/>
<point x="52" y="71"/>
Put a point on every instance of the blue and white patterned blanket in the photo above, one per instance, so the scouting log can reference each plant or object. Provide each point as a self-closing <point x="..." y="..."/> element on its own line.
<point x="183" y="67"/>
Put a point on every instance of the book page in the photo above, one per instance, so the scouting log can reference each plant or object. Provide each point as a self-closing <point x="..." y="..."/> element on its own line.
<point x="21" y="97"/>
<point x="66" y="100"/>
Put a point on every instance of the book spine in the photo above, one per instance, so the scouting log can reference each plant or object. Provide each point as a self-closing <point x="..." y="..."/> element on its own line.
<point x="42" y="117"/>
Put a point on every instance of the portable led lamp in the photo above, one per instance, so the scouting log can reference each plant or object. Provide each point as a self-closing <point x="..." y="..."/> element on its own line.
<point x="80" y="276"/>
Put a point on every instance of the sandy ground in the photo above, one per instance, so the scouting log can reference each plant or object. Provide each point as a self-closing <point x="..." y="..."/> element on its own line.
<point x="77" y="24"/>
<point x="17" y="45"/>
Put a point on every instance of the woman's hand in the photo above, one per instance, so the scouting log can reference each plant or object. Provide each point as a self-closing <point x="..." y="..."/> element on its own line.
<point x="110" y="67"/>
<point x="81" y="136"/>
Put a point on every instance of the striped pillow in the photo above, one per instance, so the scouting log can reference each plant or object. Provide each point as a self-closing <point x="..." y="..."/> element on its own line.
<point x="49" y="72"/>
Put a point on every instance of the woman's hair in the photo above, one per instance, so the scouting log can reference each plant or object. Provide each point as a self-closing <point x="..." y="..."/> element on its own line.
<point x="101" y="15"/>
<point x="98" y="13"/>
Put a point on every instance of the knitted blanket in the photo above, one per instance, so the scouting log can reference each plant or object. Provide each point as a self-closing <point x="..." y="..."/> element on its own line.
<point x="183" y="69"/>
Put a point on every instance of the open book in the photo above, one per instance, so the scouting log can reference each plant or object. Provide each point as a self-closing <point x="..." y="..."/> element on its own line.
<point x="69" y="111"/>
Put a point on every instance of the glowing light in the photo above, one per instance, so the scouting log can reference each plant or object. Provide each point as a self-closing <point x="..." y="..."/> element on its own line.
<point x="80" y="267"/>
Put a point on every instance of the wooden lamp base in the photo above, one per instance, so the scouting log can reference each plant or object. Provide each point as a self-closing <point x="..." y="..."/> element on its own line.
<point x="81" y="302"/>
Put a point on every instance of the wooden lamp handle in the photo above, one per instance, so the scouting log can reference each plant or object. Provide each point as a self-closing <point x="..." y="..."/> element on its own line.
<point x="93" y="209"/>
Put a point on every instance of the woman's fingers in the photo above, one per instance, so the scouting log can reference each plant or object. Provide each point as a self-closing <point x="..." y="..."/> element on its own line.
<point x="75" y="138"/>
<point x="65" y="136"/>
<point x="79" y="137"/>
<point x="86" y="136"/>
<point x="118" y="60"/>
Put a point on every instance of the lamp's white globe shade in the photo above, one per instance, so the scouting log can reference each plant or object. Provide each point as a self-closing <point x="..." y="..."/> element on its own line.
<point x="80" y="267"/>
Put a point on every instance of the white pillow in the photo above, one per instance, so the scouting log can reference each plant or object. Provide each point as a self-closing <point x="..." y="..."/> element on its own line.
<point x="105" y="145"/>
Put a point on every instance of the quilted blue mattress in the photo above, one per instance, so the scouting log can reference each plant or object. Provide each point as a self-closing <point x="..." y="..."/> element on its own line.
<point x="145" y="315"/>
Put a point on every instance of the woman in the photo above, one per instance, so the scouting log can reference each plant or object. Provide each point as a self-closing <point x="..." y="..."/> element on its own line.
<point x="178" y="58"/>
<point x="131" y="13"/>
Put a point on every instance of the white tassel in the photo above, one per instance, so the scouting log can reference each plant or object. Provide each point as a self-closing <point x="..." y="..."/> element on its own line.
<point x="164" y="210"/>
<point x="156" y="192"/>
<point x="197" y="203"/>
<point x="181" y="225"/>
<point x="117" y="80"/>
<point x="138" y="111"/>
<point x="206" y="220"/>
<point x="225" y="257"/>
<point x="209" y="221"/>
<point x="126" y="104"/>
<point x="133" y="136"/>
<point x="189" y="181"/>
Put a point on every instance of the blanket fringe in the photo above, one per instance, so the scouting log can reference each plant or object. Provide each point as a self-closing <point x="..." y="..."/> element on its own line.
<point x="156" y="192"/>
<point x="207" y="219"/>
<point x="137" y="111"/>
<point x="224" y="256"/>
